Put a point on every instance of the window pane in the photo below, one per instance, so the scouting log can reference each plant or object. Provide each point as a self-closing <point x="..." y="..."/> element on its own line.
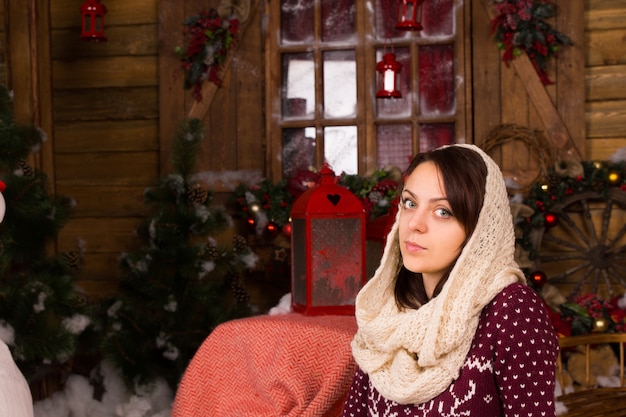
<point x="399" y="107"/>
<point x="387" y="15"/>
<point x="298" y="85"/>
<point x="338" y="20"/>
<point x="341" y="149"/>
<point x="437" y="18"/>
<point x="339" y="84"/>
<point x="296" y="21"/>
<point x="436" y="82"/>
<point x="298" y="150"/>
<point x="394" y="145"/>
<point x="435" y="135"/>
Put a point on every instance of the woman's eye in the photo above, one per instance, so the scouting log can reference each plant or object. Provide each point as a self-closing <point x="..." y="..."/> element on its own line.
<point x="443" y="212"/>
<point x="407" y="204"/>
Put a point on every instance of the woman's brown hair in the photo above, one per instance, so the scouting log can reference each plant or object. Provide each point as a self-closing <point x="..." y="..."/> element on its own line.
<point x="464" y="175"/>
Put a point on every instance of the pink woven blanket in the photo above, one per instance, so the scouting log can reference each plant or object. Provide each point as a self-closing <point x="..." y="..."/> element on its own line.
<point x="270" y="366"/>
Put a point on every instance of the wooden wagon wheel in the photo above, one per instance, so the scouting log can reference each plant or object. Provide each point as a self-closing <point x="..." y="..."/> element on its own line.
<point x="587" y="246"/>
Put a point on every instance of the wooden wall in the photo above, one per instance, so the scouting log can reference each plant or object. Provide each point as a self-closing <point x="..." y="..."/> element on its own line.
<point x="605" y="77"/>
<point x="106" y="116"/>
<point x="110" y="109"/>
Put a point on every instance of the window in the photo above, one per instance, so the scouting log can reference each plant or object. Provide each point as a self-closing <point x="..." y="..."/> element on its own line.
<point x="322" y="82"/>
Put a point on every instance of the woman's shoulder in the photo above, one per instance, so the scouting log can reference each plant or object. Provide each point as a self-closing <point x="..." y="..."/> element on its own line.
<point x="517" y="298"/>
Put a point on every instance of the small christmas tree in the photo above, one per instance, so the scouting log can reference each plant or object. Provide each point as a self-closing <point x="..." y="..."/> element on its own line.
<point x="42" y="313"/>
<point x="182" y="283"/>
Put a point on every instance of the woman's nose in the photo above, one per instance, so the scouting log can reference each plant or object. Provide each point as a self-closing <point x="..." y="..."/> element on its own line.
<point x="418" y="221"/>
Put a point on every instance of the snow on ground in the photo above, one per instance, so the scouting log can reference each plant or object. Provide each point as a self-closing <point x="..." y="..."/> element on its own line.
<point x="77" y="399"/>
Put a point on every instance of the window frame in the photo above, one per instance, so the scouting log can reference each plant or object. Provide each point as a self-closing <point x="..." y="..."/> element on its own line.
<point x="366" y="120"/>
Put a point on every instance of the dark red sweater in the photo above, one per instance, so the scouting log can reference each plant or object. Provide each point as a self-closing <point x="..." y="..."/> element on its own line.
<point x="509" y="370"/>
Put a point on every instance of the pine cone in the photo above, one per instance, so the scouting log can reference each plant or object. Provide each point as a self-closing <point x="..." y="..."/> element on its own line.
<point x="74" y="259"/>
<point x="210" y="252"/>
<point x="26" y="169"/>
<point x="240" y="244"/>
<point x="197" y="194"/>
<point x="554" y="180"/>
<point x="598" y="184"/>
<point x="236" y="285"/>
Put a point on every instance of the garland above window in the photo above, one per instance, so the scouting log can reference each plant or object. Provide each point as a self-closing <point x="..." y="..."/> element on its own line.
<point x="519" y="26"/>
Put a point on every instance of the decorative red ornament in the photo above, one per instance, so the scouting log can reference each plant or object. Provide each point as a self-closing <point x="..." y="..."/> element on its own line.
<point x="92" y="14"/>
<point x="3" y="186"/>
<point x="286" y="229"/>
<point x="539" y="278"/>
<point x="388" y="78"/>
<point x="410" y="15"/>
<point x="251" y="223"/>
<point x="272" y="229"/>
<point x="551" y="219"/>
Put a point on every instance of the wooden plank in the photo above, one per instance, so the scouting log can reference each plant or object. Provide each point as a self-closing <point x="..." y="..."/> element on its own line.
<point x="603" y="149"/>
<point x="66" y="13"/>
<point x="100" y="234"/>
<point x="107" y="136"/>
<point x="106" y="200"/>
<point x="570" y="75"/>
<point x="110" y="168"/>
<point x="606" y="119"/>
<point x="136" y="40"/>
<point x="106" y="104"/>
<point x="105" y="72"/>
<point x="248" y="68"/>
<point x="606" y="83"/>
<point x="487" y="111"/>
<point x="603" y="14"/>
<point x="171" y="92"/>
<point x="605" y="47"/>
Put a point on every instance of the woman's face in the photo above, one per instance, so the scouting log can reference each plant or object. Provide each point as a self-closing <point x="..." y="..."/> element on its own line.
<point x="430" y="236"/>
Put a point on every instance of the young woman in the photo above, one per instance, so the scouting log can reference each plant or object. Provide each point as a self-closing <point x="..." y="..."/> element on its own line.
<point x="447" y="326"/>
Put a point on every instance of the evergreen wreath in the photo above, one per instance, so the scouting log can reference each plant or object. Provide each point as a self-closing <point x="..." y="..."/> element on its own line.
<point x="520" y="26"/>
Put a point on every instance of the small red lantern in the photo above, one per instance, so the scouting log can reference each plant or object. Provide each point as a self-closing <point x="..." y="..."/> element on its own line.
<point x="389" y="77"/>
<point x="92" y="13"/>
<point x="327" y="248"/>
<point x="410" y="15"/>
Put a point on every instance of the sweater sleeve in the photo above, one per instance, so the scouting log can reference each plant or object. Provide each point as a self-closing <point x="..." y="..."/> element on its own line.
<point x="15" y="397"/>
<point x="356" y="402"/>
<point x="525" y="354"/>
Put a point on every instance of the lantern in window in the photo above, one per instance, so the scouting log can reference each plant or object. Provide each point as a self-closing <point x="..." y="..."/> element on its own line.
<point x="327" y="248"/>
<point x="92" y="15"/>
<point x="388" y="77"/>
<point x="410" y="15"/>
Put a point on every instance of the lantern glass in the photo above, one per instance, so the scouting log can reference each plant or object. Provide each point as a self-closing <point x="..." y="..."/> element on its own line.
<point x="410" y="15"/>
<point x="337" y="261"/>
<point x="299" y="261"/>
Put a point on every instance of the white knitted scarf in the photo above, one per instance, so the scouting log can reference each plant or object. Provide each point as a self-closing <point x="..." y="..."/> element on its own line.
<point x="411" y="356"/>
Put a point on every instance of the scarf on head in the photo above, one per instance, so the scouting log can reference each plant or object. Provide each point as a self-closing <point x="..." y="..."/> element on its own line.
<point x="411" y="356"/>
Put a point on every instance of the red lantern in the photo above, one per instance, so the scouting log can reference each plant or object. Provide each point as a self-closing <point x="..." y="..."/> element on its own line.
<point x="327" y="248"/>
<point x="410" y="15"/>
<point x="92" y="13"/>
<point x="389" y="77"/>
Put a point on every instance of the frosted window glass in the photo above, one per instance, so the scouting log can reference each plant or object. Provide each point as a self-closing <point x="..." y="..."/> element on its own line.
<point x="339" y="84"/>
<point x="341" y="149"/>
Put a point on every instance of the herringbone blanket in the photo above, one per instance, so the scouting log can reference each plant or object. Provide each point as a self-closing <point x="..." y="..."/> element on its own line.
<point x="270" y="366"/>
